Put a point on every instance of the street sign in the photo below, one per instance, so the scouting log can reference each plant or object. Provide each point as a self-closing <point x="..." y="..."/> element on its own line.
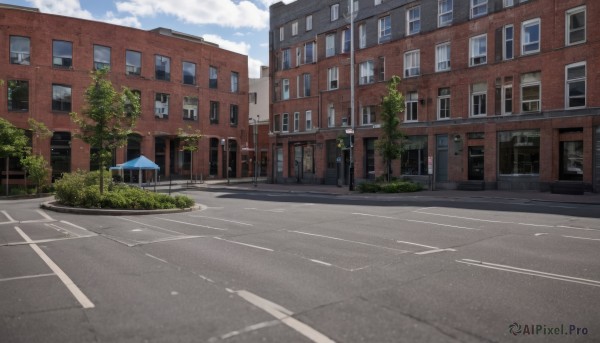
<point x="350" y="131"/>
<point x="430" y="165"/>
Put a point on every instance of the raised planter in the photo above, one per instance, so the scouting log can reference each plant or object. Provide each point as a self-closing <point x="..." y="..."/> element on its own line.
<point x="54" y="206"/>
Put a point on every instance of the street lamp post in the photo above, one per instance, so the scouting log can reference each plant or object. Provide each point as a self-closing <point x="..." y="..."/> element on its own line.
<point x="352" y="16"/>
<point x="255" y="132"/>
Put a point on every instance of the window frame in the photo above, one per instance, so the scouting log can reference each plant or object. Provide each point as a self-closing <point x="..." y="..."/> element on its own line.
<point x="538" y="84"/>
<point x="167" y="70"/>
<point x="366" y="72"/>
<point x="295" y="28"/>
<point x="10" y="99"/>
<point x="308" y="120"/>
<point x="446" y="99"/>
<point x="234" y="112"/>
<point x="410" y="57"/>
<point x="568" y="82"/>
<point x="25" y="60"/>
<point x="472" y="57"/>
<point x="99" y="64"/>
<point x="164" y="115"/>
<point x="296" y="127"/>
<point x="411" y="107"/>
<point x="367" y="115"/>
<point x="190" y="104"/>
<point x="506" y="41"/>
<point x="438" y="55"/>
<point x="285" y="122"/>
<point x="345" y="41"/>
<point x="473" y="95"/>
<point x="62" y="99"/>
<point x="137" y="69"/>
<point x="482" y="3"/>
<point x="333" y="75"/>
<point x="286" y="59"/>
<point x="309" y="22"/>
<point x="526" y="24"/>
<point x="413" y="20"/>
<point x="330" y="45"/>
<point x="568" y="19"/>
<point x="330" y="115"/>
<point x="213" y="112"/>
<point x="183" y="74"/>
<point x="235" y="82"/>
<point x="384" y="33"/>
<point x="54" y="56"/>
<point x="306" y="86"/>
<point x="312" y="53"/>
<point x="334" y="12"/>
<point x="362" y="35"/>
<point x="441" y="14"/>
<point x="213" y="77"/>
<point x="285" y="89"/>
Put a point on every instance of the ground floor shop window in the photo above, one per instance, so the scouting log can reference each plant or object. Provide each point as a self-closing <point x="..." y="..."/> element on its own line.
<point x="519" y="152"/>
<point x="571" y="160"/>
<point x="414" y="157"/>
<point x="60" y="154"/>
<point x="370" y="158"/>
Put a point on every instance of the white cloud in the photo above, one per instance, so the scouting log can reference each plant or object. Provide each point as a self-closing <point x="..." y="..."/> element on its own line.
<point x="268" y="3"/>
<point x="72" y="8"/>
<point x="124" y="21"/>
<point x="239" y="47"/>
<point x="254" y="68"/>
<point x="239" y="34"/>
<point x="227" y="13"/>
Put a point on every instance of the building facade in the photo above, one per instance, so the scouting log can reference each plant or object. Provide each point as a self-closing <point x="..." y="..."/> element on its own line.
<point x="259" y="100"/>
<point x="501" y="94"/>
<point x="182" y="80"/>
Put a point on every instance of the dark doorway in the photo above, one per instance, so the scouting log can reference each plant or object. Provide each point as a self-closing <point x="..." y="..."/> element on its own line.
<point x="476" y="170"/>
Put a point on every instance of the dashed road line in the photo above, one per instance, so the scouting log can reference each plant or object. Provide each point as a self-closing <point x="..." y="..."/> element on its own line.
<point x="349" y="241"/>
<point x="320" y="262"/>
<point x="26" y="277"/>
<point x="153" y="226"/>
<point x="427" y="252"/>
<point x="416" y="221"/>
<point x="221" y="219"/>
<point x="244" y="244"/>
<point x="192" y="224"/>
<point x="585" y="238"/>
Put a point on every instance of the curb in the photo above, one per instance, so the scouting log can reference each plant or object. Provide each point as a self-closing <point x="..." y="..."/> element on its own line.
<point x="53" y="206"/>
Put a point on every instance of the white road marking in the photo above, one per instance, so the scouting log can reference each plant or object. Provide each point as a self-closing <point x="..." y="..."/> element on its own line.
<point x="417" y="221"/>
<point x="156" y="258"/>
<point x="26" y="277"/>
<point x="417" y="244"/>
<point x="136" y="230"/>
<point x="244" y="244"/>
<point x="36" y="221"/>
<point x="589" y="239"/>
<point x="576" y="228"/>
<point x="10" y="219"/>
<point x="246" y="330"/>
<point x="536" y="225"/>
<point x="433" y="251"/>
<point x="73" y="225"/>
<point x="77" y="293"/>
<point x="192" y="224"/>
<point x="285" y="316"/>
<point x="49" y="240"/>
<point x="153" y="226"/>
<point x="349" y="241"/>
<point x="221" y="219"/>
<point x="44" y="214"/>
<point x="321" y="262"/>
<point x="532" y="272"/>
<point x="373" y="215"/>
<point x="540" y="234"/>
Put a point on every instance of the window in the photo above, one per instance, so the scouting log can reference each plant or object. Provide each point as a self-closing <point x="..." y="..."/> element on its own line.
<point x="412" y="63"/>
<point x="530" y="37"/>
<point x="329" y="45"/>
<point x="332" y="78"/>
<point x="253" y="97"/>
<point x="308" y="119"/>
<point x="368" y="115"/>
<point x="385" y="29"/>
<point x="414" y="157"/>
<point x="133" y="62"/>
<point x="162" y="68"/>
<point x="575" y="25"/>
<point x="306" y="84"/>
<point x="507" y="97"/>
<point x="362" y="36"/>
<point x="285" y="90"/>
<point x="531" y="92"/>
<point x="345" y="41"/>
<point x="478" y="99"/>
<point x="309" y="22"/>
<point x="443" y="103"/>
<point x="20" y="49"/>
<point x="508" y="36"/>
<point x="235" y="82"/>
<point x="281" y="33"/>
<point x="214" y="112"/>
<point x="284" y="122"/>
<point x="378" y="2"/>
<point x="62" y="54"/>
<point x="161" y="105"/>
<point x="445" y="12"/>
<point x="442" y="57"/>
<point x="412" y="106"/>
<point x="330" y="115"/>
<point x="509" y="3"/>
<point x="277" y="123"/>
<point x="296" y="121"/>
<point x="189" y="73"/>
<point x="286" y="61"/>
<point x="519" y="152"/>
<point x="101" y="57"/>
<point x="575" y="85"/>
<point x="295" y="28"/>
<point x="366" y="73"/>
<point x="335" y="12"/>
<point x="233" y="114"/>
<point x="413" y="20"/>
<point x="190" y="107"/>
<point x="309" y="49"/>
<point x="478" y="8"/>
<point x="478" y="51"/>
<point x="18" y="95"/>
<point x="381" y="68"/>
<point x="571" y="160"/>
<point x="212" y="77"/>
<point x="61" y="98"/>
<point x="354" y="8"/>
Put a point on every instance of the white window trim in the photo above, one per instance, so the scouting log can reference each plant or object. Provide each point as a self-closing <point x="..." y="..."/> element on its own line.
<point x="330" y="48"/>
<point x="527" y="84"/>
<point x="369" y="76"/>
<point x="296" y="121"/>
<point x="584" y="79"/>
<point x="472" y="102"/>
<point x="330" y="115"/>
<point x="508" y="3"/>
<point x="526" y="24"/>
<point x="281" y="34"/>
<point x="439" y="106"/>
<point x="568" y="15"/>
<point x="413" y="102"/>
<point x="438" y="55"/>
<point x="285" y="94"/>
<point x="308" y="120"/>
<point x="380" y="35"/>
<point x="285" y="122"/>
<point x="369" y="115"/>
<point x="504" y="41"/>
<point x="334" y="12"/>
<point x="479" y="5"/>
<point x="330" y="78"/>
<point x="345" y="33"/>
<point x="362" y="36"/>
<point x="309" y="19"/>
<point x="412" y="71"/>
<point x="409" y="21"/>
<point x="441" y="14"/>
<point x="471" y="57"/>
<point x="503" y="109"/>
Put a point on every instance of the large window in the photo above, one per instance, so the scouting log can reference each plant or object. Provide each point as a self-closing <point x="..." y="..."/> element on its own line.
<point x="478" y="99"/>
<point x="214" y="112"/>
<point x="575" y="25"/>
<point x="20" y="49"/>
<point x="412" y="63"/>
<point x="133" y="62"/>
<point x="189" y="73"/>
<point x="479" y="8"/>
<point x="575" y="86"/>
<point x="212" y="77"/>
<point x="162" y="68"/>
<point x="414" y="156"/>
<point x="233" y="114"/>
<point x="519" y="152"/>
<point x="309" y="50"/>
<point x="334" y="12"/>
<point x="329" y="45"/>
<point x="295" y="28"/>
<point x="330" y="115"/>
<point x="571" y="160"/>
<point x="306" y="80"/>
<point x="362" y="36"/>
<point x="285" y="122"/>
<point x="62" y="54"/>
<point x="442" y="57"/>
<point x="368" y="115"/>
<point x="443" y="101"/>
<point x="285" y="90"/>
<point x="281" y="33"/>
<point x="412" y="106"/>
<point x="308" y="119"/>
<point x="190" y="108"/>
<point x="61" y="98"/>
<point x="286" y="61"/>
<point x="478" y="50"/>
<point x="445" y="12"/>
<point x="508" y="37"/>
<point x="18" y="95"/>
<point x="101" y="57"/>
<point x="345" y="41"/>
<point x="530" y="37"/>
<point x="366" y="73"/>
<point x="413" y="20"/>
<point x="161" y="105"/>
<point x="332" y="78"/>
<point x="235" y="82"/>
<point x="309" y="22"/>
<point x="385" y="29"/>
<point x="531" y="92"/>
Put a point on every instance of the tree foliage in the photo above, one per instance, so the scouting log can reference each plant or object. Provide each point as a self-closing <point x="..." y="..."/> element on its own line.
<point x="37" y="170"/>
<point x="13" y="143"/>
<point x="389" y="145"/>
<point x="189" y="142"/>
<point x="108" y="118"/>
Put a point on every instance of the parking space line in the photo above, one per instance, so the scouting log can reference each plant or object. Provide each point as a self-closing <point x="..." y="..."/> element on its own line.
<point x="192" y="224"/>
<point x="348" y="241"/>
<point x="75" y="226"/>
<point x="427" y="252"/>
<point x="45" y="215"/>
<point x="417" y="244"/>
<point x="244" y="244"/>
<point x="10" y="219"/>
<point x="416" y="221"/>
<point x="26" y="277"/>
<point x="588" y="239"/>
<point x="49" y="240"/>
<point x="77" y="293"/>
<point x="320" y="262"/>
<point x="149" y="225"/>
<point x="221" y="219"/>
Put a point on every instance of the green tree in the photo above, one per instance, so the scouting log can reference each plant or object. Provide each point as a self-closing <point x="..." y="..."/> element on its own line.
<point x="13" y="143"/>
<point x="108" y="117"/>
<point x="189" y="141"/>
<point x="389" y="145"/>
<point x="37" y="169"/>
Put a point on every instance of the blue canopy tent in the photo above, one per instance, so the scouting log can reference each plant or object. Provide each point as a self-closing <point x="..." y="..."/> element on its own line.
<point x="139" y="164"/>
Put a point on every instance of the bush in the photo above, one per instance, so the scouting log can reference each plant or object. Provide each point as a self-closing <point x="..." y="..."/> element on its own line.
<point x="392" y="187"/>
<point x="369" y="187"/>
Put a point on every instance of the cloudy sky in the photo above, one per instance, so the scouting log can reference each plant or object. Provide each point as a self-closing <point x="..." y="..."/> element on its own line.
<point x="238" y="25"/>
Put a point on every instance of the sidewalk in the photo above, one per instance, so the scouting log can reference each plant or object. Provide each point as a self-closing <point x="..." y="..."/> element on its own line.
<point x="248" y="185"/>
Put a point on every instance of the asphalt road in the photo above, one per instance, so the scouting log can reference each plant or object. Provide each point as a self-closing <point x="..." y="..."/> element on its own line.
<point x="273" y="267"/>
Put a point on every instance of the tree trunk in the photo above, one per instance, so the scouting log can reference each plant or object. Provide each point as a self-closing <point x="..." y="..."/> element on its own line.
<point x="7" y="177"/>
<point x="102" y="177"/>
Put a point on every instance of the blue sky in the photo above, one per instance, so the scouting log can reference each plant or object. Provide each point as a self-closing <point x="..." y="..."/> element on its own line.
<point x="238" y="25"/>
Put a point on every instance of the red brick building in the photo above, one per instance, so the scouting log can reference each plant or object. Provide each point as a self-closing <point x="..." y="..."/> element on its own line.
<point x="501" y="94"/>
<point x="183" y="81"/>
